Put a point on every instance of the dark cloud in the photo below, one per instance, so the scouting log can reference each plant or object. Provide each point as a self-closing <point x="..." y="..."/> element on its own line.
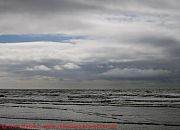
<point x="72" y="6"/>
<point x="161" y="41"/>
<point x="45" y="6"/>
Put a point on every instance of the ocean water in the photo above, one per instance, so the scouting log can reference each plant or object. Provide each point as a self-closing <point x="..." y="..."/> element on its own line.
<point x="129" y="109"/>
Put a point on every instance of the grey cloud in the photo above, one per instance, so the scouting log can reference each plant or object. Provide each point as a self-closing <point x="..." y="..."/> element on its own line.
<point x="64" y="60"/>
<point x="169" y="45"/>
<point x="45" y="6"/>
<point x="156" y="40"/>
<point x="135" y="73"/>
<point x="165" y="4"/>
<point x="77" y="15"/>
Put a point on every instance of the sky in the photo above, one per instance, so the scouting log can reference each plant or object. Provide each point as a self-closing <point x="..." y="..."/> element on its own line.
<point x="103" y="42"/>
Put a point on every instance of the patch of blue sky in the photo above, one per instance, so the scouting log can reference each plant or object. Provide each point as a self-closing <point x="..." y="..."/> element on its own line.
<point x="17" y="38"/>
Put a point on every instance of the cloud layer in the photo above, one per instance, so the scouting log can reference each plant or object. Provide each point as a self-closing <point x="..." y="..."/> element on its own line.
<point x="97" y="39"/>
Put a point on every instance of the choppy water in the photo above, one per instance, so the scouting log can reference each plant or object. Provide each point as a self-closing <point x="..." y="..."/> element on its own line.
<point x="129" y="108"/>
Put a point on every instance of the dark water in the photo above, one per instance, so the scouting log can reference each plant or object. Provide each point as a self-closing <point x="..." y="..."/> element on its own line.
<point x="129" y="108"/>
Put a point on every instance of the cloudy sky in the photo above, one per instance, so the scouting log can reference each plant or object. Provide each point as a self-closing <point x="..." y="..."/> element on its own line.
<point x="89" y="40"/>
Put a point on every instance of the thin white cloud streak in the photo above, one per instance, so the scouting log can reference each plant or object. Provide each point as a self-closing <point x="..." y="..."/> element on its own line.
<point x="39" y="68"/>
<point x="67" y="66"/>
<point x="71" y="66"/>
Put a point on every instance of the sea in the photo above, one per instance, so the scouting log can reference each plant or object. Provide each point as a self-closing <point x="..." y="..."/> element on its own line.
<point x="127" y="109"/>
